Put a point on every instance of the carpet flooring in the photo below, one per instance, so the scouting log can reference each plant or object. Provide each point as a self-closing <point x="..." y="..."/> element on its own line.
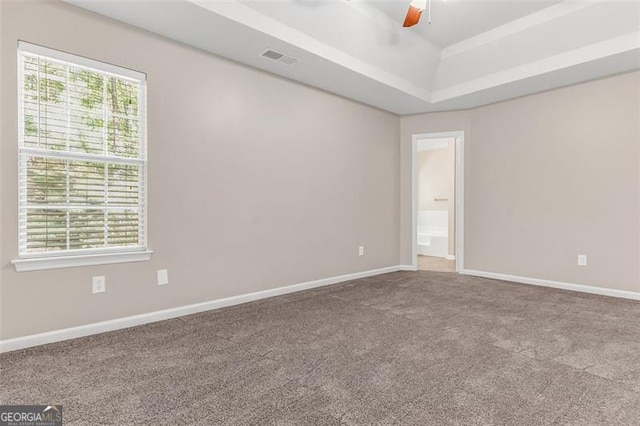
<point x="415" y="348"/>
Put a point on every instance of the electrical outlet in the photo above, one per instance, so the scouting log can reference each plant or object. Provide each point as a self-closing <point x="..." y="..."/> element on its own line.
<point x="582" y="260"/>
<point x="99" y="285"/>
<point x="361" y="251"/>
<point x="163" y="277"/>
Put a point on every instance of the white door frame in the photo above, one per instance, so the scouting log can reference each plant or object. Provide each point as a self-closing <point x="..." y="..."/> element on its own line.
<point x="459" y="195"/>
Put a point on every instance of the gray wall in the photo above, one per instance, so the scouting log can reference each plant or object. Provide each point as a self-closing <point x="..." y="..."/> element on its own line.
<point x="1" y="187"/>
<point x="548" y="177"/>
<point x="255" y="182"/>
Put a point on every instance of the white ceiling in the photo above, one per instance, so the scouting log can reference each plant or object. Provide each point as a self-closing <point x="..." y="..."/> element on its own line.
<point x="457" y="20"/>
<point x="474" y="52"/>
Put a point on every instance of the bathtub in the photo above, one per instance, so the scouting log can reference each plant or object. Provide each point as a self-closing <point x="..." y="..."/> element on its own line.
<point x="433" y="233"/>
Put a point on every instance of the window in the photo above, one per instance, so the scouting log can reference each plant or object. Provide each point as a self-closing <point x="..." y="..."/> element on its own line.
<point x="82" y="159"/>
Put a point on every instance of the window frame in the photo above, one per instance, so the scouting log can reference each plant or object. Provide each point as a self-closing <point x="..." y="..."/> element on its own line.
<point x="91" y="256"/>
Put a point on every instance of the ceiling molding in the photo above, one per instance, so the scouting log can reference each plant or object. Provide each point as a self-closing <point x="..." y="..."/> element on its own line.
<point x="394" y="69"/>
<point x="537" y="18"/>
<point x="249" y="17"/>
<point x="585" y="54"/>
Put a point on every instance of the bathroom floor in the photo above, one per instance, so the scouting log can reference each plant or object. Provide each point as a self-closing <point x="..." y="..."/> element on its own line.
<point x="430" y="263"/>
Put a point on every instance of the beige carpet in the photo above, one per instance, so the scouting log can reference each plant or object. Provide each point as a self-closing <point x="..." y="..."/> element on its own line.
<point x="421" y="348"/>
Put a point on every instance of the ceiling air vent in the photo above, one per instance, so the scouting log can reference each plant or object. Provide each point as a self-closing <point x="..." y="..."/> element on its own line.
<point x="280" y="57"/>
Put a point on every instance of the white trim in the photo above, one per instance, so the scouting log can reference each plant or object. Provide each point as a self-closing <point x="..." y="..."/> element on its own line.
<point x="80" y="61"/>
<point x="518" y="25"/>
<point x="99" y="255"/>
<point x="408" y="268"/>
<point x="564" y="60"/>
<point x="450" y="257"/>
<point x="78" y="156"/>
<point x="555" y="284"/>
<point x="70" y="261"/>
<point x="131" y="321"/>
<point x="143" y="181"/>
<point x="459" y="195"/>
<point x="249" y="17"/>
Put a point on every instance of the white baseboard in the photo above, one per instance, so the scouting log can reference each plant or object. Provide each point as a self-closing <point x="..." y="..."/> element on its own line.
<point x="555" y="284"/>
<point x="131" y="321"/>
<point x="408" y="268"/>
<point x="450" y="257"/>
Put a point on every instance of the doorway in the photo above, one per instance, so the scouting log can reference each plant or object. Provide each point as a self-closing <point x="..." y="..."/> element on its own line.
<point x="437" y="173"/>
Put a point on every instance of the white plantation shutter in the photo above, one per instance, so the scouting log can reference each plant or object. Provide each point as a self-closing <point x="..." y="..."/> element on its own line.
<point x="82" y="169"/>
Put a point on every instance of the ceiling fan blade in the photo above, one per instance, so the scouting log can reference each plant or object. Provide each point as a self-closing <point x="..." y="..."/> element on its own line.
<point x="413" y="16"/>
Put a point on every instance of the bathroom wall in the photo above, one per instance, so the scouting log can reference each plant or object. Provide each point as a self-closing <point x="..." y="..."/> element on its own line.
<point x="436" y="179"/>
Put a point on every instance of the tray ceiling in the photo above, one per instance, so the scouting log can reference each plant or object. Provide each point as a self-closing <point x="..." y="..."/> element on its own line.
<point x="473" y="53"/>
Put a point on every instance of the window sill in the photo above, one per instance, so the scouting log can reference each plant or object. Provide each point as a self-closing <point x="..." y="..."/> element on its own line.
<point x="37" y="264"/>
